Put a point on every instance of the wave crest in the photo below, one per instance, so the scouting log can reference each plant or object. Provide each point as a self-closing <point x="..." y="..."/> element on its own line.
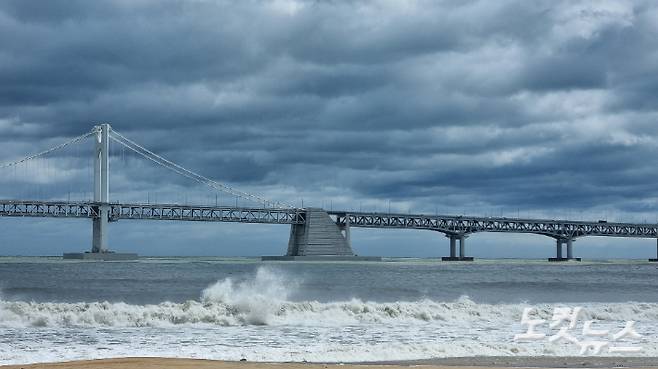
<point x="22" y="314"/>
<point x="264" y="300"/>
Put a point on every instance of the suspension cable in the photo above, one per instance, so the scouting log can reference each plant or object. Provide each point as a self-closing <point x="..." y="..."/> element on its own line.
<point x="121" y="139"/>
<point x="60" y="146"/>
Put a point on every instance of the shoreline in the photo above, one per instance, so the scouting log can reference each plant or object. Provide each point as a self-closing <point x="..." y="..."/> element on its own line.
<point x="539" y="362"/>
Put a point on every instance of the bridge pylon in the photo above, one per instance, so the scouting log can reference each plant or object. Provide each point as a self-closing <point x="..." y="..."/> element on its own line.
<point x="101" y="188"/>
<point x="99" y="248"/>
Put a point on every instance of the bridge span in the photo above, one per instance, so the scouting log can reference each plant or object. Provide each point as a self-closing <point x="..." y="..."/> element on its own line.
<point x="456" y="228"/>
<point x="118" y="211"/>
<point x="314" y="232"/>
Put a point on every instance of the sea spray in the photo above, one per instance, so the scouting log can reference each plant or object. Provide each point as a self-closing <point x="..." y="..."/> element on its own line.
<point x="257" y="299"/>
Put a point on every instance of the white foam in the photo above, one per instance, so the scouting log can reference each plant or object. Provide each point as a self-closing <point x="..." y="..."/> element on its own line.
<point x="313" y="313"/>
<point x="251" y="300"/>
<point x="263" y="300"/>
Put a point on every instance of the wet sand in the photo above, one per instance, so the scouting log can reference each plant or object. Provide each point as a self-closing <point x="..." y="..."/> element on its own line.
<point x="465" y="363"/>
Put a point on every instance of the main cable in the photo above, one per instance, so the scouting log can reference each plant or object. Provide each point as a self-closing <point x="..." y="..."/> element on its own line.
<point x="60" y="146"/>
<point x="146" y="153"/>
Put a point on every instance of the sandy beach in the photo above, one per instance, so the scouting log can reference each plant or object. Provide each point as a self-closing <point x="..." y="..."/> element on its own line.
<point x="161" y="363"/>
<point x="464" y="363"/>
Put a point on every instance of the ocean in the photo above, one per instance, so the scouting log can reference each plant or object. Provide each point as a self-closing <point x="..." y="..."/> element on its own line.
<point x="241" y="308"/>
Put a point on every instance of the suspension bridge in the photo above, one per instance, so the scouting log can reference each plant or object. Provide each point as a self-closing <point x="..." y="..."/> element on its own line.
<point x="315" y="233"/>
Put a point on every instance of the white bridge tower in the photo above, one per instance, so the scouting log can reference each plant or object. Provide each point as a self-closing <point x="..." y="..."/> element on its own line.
<point x="101" y="188"/>
<point x="99" y="249"/>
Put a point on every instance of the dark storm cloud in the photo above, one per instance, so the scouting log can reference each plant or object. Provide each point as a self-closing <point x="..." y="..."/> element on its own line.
<point x="521" y="104"/>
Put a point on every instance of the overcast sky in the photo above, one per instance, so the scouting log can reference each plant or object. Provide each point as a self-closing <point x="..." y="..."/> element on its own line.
<point x="530" y="108"/>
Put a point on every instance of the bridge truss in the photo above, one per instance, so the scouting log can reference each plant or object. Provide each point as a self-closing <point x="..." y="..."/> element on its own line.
<point x="45" y="209"/>
<point x="457" y="225"/>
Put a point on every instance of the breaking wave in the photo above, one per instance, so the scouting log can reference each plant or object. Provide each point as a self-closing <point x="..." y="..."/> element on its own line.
<point x="264" y="300"/>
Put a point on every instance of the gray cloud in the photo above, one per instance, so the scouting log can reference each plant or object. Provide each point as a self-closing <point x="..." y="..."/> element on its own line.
<point x="461" y="106"/>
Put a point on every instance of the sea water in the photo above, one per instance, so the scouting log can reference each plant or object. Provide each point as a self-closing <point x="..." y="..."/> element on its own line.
<point x="230" y="309"/>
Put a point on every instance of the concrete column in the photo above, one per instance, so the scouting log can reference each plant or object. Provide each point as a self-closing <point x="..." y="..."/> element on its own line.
<point x="569" y="248"/>
<point x="101" y="188"/>
<point x="462" y="247"/>
<point x="656" y="259"/>
<point x="559" y="249"/>
<point x="453" y="247"/>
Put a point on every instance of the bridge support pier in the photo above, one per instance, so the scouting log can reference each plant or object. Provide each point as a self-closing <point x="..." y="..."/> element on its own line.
<point x="462" y="247"/>
<point x="558" y="256"/>
<point x="656" y="259"/>
<point x="453" y="248"/>
<point x="320" y="238"/>
<point x="99" y="230"/>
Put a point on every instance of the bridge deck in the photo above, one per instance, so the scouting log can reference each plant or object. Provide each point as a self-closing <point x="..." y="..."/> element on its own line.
<point x="440" y="223"/>
<point x="466" y="225"/>
<point x="152" y="212"/>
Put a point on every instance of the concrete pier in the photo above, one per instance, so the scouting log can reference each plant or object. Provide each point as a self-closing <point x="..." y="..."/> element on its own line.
<point x="320" y="236"/>
<point x="101" y="256"/>
<point x="320" y="239"/>
<point x="453" y="248"/>
<point x="558" y="250"/>
<point x="656" y="259"/>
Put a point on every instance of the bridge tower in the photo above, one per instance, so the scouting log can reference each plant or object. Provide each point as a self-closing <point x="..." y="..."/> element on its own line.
<point x="101" y="188"/>
<point x="99" y="249"/>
